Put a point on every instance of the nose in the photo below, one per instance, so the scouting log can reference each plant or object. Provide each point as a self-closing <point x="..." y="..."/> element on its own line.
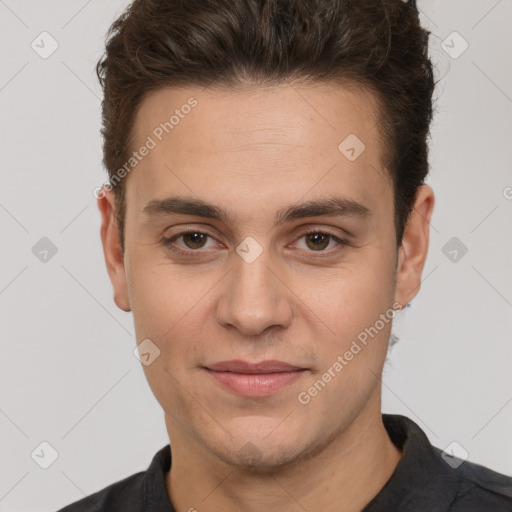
<point x="255" y="297"/>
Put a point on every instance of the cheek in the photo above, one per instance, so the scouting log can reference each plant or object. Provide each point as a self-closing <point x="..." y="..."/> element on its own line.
<point x="173" y="392"/>
<point x="159" y="296"/>
<point x="356" y="308"/>
<point x="346" y="300"/>
<point x="168" y="309"/>
<point x="155" y="303"/>
<point x="172" y="310"/>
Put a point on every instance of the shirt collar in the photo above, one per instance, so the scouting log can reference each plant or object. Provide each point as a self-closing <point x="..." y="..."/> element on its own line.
<point x="156" y="498"/>
<point x="421" y="480"/>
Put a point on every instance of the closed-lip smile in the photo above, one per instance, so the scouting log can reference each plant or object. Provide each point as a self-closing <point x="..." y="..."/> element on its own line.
<point x="254" y="379"/>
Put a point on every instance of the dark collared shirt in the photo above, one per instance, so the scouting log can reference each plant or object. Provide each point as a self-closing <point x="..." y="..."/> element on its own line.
<point x="423" y="481"/>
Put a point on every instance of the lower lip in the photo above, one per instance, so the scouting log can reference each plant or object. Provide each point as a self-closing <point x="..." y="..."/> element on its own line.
<point x="257" y="384"/>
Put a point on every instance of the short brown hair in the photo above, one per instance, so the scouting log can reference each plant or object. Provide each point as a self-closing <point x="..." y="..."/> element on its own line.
<point x="378" y="44"/>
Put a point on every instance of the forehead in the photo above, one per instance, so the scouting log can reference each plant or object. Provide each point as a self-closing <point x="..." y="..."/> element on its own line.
<point x="269" y="142"/>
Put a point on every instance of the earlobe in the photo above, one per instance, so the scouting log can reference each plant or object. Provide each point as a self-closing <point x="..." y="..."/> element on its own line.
<point x="114" y="258"/>
<point x="414" y="248"/>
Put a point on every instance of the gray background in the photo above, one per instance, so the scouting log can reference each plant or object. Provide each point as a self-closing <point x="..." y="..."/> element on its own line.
<point x="68" y="374"/>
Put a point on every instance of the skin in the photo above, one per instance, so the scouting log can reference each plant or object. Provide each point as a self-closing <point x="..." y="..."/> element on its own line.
<point x="254" y="151"/>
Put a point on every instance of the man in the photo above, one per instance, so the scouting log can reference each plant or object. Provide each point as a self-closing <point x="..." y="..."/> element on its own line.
<point x="266" y="216"/>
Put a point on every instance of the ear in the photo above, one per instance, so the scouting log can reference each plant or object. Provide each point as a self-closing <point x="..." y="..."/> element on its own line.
<point x="414" y="248"/>
<point x="112" y="248"/>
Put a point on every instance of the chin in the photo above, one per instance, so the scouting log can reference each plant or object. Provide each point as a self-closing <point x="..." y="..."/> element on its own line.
<point x="261" y="455"/>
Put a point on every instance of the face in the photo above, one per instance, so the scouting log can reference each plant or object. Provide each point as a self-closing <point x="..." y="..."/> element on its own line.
<point x="240" y="270"/>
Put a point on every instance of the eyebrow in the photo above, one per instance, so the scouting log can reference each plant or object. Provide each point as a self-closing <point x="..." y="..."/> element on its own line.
<point x="332" y="207"/>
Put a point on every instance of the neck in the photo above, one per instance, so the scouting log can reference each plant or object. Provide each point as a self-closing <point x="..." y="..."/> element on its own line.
<point x="345" y="475"/>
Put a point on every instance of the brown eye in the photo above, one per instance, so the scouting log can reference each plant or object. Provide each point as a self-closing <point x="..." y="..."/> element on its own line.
<point x="194" y="240"/>
<point x="323" y="243"/>
<point x="317" y="241"/>
<point x="188" y="243"/>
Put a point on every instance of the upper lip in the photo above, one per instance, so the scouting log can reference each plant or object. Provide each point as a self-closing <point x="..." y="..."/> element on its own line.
<point x="239" y="366"/>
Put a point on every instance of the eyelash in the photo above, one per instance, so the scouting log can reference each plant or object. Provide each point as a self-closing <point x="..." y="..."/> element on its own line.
<point x="167" y="242"/>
